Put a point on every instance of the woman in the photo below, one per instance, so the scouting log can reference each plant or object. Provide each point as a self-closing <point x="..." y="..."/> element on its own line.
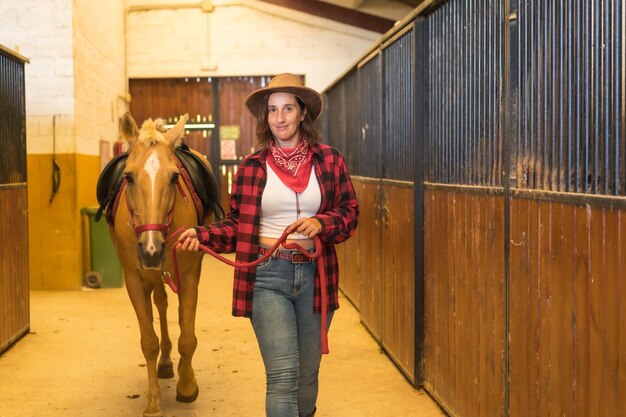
<point x="296" y="184"/>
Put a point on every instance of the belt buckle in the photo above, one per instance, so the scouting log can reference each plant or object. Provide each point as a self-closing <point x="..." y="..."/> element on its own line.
<point x="293" y="261"/>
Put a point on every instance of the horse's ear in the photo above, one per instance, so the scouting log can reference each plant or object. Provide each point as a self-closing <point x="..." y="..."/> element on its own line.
<point x="175" y="134"/>
<point x="129" y="128"/>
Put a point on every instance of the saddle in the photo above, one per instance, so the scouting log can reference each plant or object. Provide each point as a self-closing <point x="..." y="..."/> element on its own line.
<point x="194" y="171"/>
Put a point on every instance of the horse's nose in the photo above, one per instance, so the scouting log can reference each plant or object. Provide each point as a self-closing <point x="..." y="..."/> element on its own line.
<point x="151" y="249"/>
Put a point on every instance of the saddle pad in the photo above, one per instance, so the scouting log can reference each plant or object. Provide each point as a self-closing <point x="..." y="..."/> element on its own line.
<point x="202" y="181"/>
<point x="109" y="183"/>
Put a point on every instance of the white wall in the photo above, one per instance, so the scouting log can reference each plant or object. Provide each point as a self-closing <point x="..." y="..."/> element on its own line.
<point x="42" y="31"/>
<point x="245" y="37"/>
<point x="76" y="53"/>
<point x="99" y="84"/>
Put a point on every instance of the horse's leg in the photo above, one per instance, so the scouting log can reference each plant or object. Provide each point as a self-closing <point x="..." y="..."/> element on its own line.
<point x="166" y="367"/>
<point x="140" y="299"/>
<point x="187" y="387"/>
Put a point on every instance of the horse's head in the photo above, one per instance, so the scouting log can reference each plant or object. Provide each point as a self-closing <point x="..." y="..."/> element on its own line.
<point x="151" y="175"/>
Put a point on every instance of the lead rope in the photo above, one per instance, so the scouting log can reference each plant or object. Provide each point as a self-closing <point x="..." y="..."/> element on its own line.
<point x="174" y="283"/>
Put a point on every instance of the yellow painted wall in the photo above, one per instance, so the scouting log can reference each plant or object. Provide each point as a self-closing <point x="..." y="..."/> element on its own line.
<point x="56" y="241"/>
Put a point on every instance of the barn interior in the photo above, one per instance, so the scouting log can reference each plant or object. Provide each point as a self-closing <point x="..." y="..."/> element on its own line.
<point x="486" y="143"/>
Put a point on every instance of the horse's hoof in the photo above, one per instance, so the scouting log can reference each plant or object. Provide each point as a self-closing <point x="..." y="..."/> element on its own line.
<point x="152" y="414"/>
<point x="165" y="371"/>
<point x="184" y="399"/>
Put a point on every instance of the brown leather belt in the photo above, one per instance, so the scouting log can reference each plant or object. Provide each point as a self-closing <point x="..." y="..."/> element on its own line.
<point x="287" y="255"/>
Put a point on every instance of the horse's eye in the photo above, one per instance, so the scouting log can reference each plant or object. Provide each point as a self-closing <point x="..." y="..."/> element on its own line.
<point x="130" y="178"/>
<point x="174" y="177"/>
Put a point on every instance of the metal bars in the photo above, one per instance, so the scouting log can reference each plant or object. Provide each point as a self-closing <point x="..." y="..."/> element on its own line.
<point x="571" y="97"/>
<point x="466" y="50"/>
<point x="566" y="105"/>
<point x="12" y="120"/>
<point x="399" y="143"/>
<point x="367" y="162"/>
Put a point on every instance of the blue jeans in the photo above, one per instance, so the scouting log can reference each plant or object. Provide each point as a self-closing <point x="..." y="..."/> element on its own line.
<point x="288" y="333"/>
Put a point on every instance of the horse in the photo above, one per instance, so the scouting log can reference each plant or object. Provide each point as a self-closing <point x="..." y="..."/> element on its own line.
<point x="151" y="202"/>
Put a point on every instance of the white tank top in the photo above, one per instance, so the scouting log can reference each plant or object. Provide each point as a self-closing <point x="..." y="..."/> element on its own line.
<point x="279" y="205"/>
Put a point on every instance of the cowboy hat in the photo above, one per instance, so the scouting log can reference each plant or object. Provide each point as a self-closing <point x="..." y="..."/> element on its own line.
<point x="286" y="83"/>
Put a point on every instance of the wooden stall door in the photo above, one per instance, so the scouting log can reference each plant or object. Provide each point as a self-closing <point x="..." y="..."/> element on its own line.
<point x="398" y="275"/>
<point x="378" y="267"/>
<point x="350" y="255"/>
<point x="14" y="284"/>
<point x="385" y="189"/>
<point x="14" y="279"/>
<point x="367" y="239"/>
<point x="567" y="313"/>
<point x="464" y="317"/>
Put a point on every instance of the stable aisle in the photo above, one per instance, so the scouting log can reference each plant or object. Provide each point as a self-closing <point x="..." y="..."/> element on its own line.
<point x="82" y="358"/>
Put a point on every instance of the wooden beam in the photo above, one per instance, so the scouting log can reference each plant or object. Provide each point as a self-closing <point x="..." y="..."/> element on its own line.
<point x="356" y="3"/>
<point x="338" y="14"/>
<point x="413" y="3"/>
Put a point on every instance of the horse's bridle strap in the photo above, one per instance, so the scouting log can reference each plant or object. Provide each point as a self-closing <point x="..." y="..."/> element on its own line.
<point x="151" y="226"/>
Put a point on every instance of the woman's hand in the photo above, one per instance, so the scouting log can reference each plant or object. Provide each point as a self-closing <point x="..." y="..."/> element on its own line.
<point x="308" y="226"/>
<point x="189" y="240"/>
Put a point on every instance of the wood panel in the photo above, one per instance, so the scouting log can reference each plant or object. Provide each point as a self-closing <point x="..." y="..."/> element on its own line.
<point x="464" y="356"/>
<point x="14" y="285"/>
<point x="370" y="247"/>
<point x="232" y="94"/>
<point x="170" y="97"/>
<point x="344" y="15"/>
<point x="227" y="173"/>
<point x="356" y="277"/>
<point x="349" y="255"/>
<point x="568" y="343"/>
<point x="398" y="275"/>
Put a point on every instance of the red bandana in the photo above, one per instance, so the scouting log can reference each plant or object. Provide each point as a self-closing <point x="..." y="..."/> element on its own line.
<point x="293" y="166"/>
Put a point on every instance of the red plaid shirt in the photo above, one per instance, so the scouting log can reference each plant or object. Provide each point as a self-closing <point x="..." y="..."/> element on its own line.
<point x="239" y="232"/>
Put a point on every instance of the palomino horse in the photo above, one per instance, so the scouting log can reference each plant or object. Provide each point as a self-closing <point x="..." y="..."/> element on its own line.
<point x="154" y="200"/>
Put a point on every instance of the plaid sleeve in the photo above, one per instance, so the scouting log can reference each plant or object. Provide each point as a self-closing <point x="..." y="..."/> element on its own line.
<point x="222" y="236"/>
<point x="339" y="214"/>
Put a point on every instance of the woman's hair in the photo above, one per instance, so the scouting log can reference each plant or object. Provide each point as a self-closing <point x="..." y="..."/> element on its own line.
<point x="264" y="133"/>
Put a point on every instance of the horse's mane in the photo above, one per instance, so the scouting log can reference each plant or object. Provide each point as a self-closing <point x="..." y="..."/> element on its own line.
<point x="151" y="132"/>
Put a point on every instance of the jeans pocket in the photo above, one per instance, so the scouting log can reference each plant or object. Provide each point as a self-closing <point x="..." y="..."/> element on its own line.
<point x="265" y="263"/>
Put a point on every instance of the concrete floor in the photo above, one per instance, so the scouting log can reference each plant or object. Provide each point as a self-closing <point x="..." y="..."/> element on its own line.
<point x="82" y="358"/>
